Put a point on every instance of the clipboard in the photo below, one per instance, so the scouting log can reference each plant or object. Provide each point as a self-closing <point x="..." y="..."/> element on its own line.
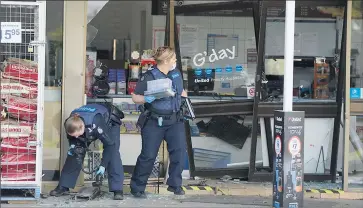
<point x="161" y="93"/>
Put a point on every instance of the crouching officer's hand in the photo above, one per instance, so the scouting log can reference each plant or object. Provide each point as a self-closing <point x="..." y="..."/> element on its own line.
<point x="149" y="98"/>
<point x="70" y="150"/>
<point x="101" y="170"/>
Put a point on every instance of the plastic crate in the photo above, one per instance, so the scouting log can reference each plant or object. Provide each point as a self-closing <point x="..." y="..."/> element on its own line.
<point x="204" y="158"/>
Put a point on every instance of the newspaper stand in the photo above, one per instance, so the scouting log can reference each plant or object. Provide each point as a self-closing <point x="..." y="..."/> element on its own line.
<point x="22" y="62"/>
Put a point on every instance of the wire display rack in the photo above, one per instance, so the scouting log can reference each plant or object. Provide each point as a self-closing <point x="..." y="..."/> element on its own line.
<point x="92" y="160"/>
<point x="22" y="62"/>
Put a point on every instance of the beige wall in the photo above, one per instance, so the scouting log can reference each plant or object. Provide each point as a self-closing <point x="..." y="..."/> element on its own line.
<point x="52" y="127"/>
<point x="74" y="59"/>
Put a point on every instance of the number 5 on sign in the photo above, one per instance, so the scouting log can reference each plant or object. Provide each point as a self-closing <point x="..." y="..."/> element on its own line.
<point x="10" y="32"/>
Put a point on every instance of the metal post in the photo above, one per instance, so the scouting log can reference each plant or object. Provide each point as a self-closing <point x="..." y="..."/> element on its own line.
<point x="346" y="145"/>
<point x="258" y="83"/>
<point x="339" y="100"/>
<point x="289" y="54"/>
<point x="171" y="22"/>
<point x="288" y="167"/>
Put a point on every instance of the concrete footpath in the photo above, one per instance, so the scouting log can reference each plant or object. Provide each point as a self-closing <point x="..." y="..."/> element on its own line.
<point x="155" y="200"/>
<point x="202" y="193"/>
<point x="265" y="190"/>
<point x="241" y="188"/>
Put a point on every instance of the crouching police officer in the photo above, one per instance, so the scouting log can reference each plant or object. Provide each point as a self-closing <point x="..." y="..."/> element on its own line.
<point x="160" y="119"/>
<point x="86" y="124"/>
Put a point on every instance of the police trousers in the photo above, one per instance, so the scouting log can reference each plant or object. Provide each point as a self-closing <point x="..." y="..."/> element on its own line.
<point x="152" y="136"/>
<point x="114" y="168"/>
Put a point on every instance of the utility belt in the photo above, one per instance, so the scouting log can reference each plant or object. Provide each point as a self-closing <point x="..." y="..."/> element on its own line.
<point x="162" y="118"/>
<point x="165" y="120"/>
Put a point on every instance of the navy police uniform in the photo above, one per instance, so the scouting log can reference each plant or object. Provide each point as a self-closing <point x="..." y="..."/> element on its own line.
<point x="171" y="128"/>
<point x="97" y="125"/>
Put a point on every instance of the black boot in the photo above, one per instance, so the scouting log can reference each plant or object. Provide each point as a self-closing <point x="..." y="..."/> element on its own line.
<point x="176" y="190"/>
<point x="59" y="191"/>
<point x="140" y="194"/>
<point x="118" y="195"/>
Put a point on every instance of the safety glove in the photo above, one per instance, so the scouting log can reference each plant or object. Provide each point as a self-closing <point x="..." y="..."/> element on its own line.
<point x="149" y="98"/>
<point x="101" y="170"/>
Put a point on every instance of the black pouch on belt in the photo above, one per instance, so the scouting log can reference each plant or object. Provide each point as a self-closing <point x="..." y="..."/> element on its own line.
<point x="142" y="120"/>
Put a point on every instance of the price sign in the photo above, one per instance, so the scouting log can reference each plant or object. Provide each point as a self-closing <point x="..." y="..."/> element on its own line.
<point x="10" y="32"/>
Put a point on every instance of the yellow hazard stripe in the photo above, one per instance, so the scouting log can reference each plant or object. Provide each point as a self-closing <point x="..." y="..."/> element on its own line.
<point x="207" y="188"/>
<point x="198" y="188"/>
<point x="324" y="191"/>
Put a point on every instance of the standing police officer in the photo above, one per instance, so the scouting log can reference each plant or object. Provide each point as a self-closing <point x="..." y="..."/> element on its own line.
<point x="160" y="119"/>
<point x="86" y="124"/>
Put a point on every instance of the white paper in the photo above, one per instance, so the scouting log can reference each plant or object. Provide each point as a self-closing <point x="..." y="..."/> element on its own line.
<point x="188" y="40"/>
<point x="11" y="32"/>
<point x="309" y="44"/>
<point x="159" y="37"/>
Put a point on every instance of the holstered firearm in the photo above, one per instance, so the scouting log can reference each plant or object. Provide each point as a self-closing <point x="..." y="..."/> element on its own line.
<point x="144" y="116"/>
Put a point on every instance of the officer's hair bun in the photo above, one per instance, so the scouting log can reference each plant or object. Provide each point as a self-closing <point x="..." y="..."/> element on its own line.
<point x="163" y="53"/>
<point x="73" y="124"/>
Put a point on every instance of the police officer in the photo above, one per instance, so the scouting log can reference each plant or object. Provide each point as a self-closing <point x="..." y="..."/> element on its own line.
<point x="161" y="119"/>
<point x="86" y="124"/>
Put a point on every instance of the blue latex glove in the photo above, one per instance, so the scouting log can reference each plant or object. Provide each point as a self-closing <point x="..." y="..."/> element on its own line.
<point x="69" y="150"/>
<point x="149" y="98"/>
<point x="101" y="170"/>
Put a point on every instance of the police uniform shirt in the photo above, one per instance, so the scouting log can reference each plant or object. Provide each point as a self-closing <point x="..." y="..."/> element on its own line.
<point x="99" y="130"/>
<point x="141" y="85"/>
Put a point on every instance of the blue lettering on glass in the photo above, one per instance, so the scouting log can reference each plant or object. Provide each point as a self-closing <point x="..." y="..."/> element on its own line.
<point x="218" y="70"/>
<point x="277" y="204"/>
<point x="239" y="68"/>
<point x="293" y="205"/>
<point x="198" y="72"/>
<point x="208" y="71"/>
<point x="86" y="109"/>
<point x="229" y="69"/>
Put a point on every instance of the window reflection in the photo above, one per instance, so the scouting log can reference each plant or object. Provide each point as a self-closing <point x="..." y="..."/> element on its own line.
<point x="54" y="49"/>
<point x="355" y="167"/>
<point x="53" y="89"/>
<point x="317" y="53"/>
<point x="356" y="65"/>
<point x="218" y="53"/>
